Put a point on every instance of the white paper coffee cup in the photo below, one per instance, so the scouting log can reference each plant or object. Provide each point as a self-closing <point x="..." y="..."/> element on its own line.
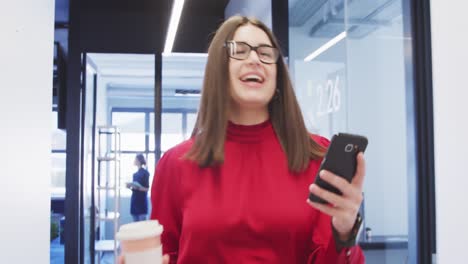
<point x="141" y="242"/>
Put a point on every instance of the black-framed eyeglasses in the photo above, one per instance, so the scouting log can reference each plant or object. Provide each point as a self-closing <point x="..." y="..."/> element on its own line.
<point x="240" y="51"/>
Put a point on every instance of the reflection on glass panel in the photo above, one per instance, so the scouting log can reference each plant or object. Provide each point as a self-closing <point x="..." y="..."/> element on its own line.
<point x="171" y="126"/>
<point x="152" y="146"/>
<point x="151" y="167"/>
<point x="323" y="101"/>
<point x="132" y="126"/>
<point x="347" y="64"/>
<point x="376" y="76"/>
<point x="129" y="122"/>
<point x="59" y="137"/>
<point x="171" y="134"/>
<point x="133" y="141"/>
<point x="172" y="123"/>
<point x="318" y="67"/>
<point x="182" y="79"/>
<point x="170" y="140"/>
<point x="191" y="119"/>
<point x="127" y="169"/>
<point x="126" y="88"/>
<point x="58" y="173"/>
<point x="106" y="144"/>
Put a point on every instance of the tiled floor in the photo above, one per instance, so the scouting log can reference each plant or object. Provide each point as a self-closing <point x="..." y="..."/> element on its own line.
<point x="57" y="255"/>
<point x="56" y="252"/>
<point x="107" y="258"/>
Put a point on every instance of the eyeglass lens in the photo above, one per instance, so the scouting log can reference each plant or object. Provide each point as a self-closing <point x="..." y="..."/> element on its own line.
<point x="241" y="51"/>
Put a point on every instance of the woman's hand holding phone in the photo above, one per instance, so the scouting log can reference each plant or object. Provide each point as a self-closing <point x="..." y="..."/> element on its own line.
<point x="342" y="208"/>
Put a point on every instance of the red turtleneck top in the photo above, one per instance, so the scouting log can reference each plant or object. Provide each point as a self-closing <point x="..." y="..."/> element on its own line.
<point x="251" y="209"/>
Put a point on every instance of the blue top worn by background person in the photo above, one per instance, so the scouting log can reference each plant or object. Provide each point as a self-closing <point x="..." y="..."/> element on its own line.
<point x="139" y="200"/>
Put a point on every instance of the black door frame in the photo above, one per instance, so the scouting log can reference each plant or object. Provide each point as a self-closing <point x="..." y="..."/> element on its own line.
<point x="73" y="242"/>
<point x="418" y="63"/>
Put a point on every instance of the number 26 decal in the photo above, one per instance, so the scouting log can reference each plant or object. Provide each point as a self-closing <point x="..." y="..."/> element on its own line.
<point x="329" y="98"/>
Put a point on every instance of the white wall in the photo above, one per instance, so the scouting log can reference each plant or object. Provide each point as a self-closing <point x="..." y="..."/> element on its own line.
<point x="26" y="57"/>
<point x="449" y="57"/>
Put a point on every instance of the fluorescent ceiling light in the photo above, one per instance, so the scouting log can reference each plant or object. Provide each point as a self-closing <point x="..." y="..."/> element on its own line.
<point x="326" y="46"/>
<point x="173" y="25"/>
<point x="187" y="95"/>
<point x="186" y="55"/>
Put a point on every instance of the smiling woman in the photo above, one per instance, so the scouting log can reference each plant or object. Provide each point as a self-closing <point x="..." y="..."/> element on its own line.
<point x="223" y="85"/>
<point x="216" y="194"/>
<point x="252" y="81"/>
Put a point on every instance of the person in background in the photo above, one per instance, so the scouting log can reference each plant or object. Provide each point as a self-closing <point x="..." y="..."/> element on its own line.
<point x="139" y="187"/>
<point x="236" y="191"/>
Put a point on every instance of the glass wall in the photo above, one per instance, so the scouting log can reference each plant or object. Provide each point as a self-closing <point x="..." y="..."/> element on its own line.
<point x="124" y="98"/>
<point x="59" y="144"/>
<point x="57" y="191"/>
<point x="347" y="60"/>
<point x="125" y="85"/>
<point x="181" y="86"/>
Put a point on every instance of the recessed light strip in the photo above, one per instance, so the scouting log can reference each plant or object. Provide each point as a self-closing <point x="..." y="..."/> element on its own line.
<point x="173" y="25"/>
<point x="326" y="46"/>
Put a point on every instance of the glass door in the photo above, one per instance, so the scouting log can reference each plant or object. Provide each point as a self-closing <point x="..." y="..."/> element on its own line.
<point x="182" y="79"/>
<point x="119" y="94"/>
<point x="347" y="60"/>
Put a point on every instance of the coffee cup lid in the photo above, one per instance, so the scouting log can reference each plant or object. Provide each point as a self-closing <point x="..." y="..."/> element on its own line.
<point x="139" y="230"/>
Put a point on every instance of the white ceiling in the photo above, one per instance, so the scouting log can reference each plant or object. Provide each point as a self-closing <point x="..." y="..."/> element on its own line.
<point x="129" y="78"/>
<point x="179" y="71"/>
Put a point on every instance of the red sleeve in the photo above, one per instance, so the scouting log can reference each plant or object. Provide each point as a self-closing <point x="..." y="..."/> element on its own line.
<point x="166" y="201"/>
<point x="324" y="142"/>
<point x="323" y="247"/>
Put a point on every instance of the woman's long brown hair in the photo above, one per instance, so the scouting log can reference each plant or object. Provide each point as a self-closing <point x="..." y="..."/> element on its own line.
<point x="212" y="120"/>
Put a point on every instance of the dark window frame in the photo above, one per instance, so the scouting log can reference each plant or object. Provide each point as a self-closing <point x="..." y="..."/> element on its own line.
<point x="148" y="111"/>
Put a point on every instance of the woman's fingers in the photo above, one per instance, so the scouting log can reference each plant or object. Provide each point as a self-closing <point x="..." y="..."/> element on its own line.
<point x="327" y="209"/>
<point x="358" y="179"/>
<point x="332" y="198"/>
<point x="348" y="190"/>
<point x="346" y="206"/>
<point x="166" y="259"/>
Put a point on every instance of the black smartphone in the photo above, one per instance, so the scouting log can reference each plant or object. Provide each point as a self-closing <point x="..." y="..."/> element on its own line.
<point x="341" y="160"/>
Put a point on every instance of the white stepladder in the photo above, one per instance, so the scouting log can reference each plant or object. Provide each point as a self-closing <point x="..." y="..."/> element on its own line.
<point x="107" y="190"/>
